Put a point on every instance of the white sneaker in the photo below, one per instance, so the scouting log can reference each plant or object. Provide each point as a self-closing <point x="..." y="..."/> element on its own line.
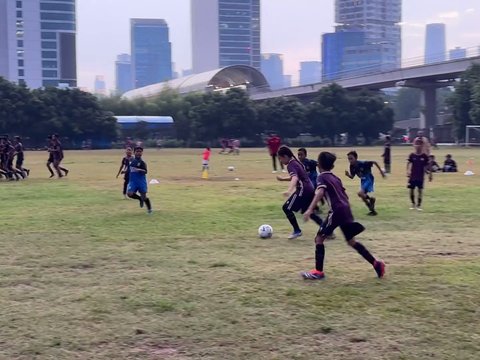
<point x="274" y="171"/>
<point x="419" y="208"/>
<point x="294" y="235"/>
<point x="412" y="207"/>
<point x="284" y="171"/>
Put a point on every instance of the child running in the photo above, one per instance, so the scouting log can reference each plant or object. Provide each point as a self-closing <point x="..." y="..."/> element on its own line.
<point x="418" y="164"/>
<point x="363" y="169"/>
<point x="125" y="169"/>
<point x="300" y="192"/>
<point x="138" y="180"/>
<point x="340" y="215"/>
<point x="309" y="165"/>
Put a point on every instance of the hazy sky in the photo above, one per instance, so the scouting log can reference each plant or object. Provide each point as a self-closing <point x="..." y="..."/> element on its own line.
<point x="289" y="27"/>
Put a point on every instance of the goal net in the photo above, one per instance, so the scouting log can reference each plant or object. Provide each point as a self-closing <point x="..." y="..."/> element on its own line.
<point x="472" y="135"/>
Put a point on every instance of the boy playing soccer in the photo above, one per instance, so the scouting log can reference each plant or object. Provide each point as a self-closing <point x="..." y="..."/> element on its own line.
<point x="138" y="180"/>
<point x="310" y="166"/>
<point x="125" y="169"/>
<point x="340" y="215"/>
<point x="418" y="164"/>
<point x="363" y="169"/>
<point x="206" y="159"/>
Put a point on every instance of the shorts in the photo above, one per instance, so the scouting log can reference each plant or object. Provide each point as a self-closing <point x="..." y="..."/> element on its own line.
<point x="366" y="185"/>
<point x="344" y="220"/>
<point x="134" y="186"/>
<point x="205" y="163"/>
<point x="50" y="158"/>
<point x="412" y="184"/>
<point x="297" y="203"/>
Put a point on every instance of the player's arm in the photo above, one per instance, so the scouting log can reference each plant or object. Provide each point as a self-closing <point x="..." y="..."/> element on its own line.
<point x="319" y="194"/>
<point x="428" y="170"/>
<point x="284" y="178"/>
<point x="409" y="166"/>
<point x="292" y="186"/>
<point x="379" y="168"/>
<point x="349" y="175"/>
<point x="122" y="166"/>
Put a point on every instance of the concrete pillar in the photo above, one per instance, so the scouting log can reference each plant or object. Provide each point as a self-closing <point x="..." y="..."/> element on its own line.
<point x="428" y="115"/>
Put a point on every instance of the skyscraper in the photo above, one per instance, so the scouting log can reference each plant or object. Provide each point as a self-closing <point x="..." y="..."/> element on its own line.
<point x="38" y="42"/>
<point x="435" y="43"/>
<point x="272" y="68"/>
<point x="100" y="86"/>
<point x="457" y="53"/>
<point x="151" y="51"/>
<point x="310" y="72"/>
<point x="379" y="50"/>
<point x="123" y="74"/>
<point x="225" y="32"/>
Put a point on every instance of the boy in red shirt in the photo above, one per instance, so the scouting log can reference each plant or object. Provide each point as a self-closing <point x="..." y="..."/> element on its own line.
<point x="206" y="158"/>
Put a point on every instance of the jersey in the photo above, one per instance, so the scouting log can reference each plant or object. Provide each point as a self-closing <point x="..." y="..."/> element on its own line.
<point x="362" y="169"/>
<point x="419" y="164"/>
<point x="311" y="169"/>
<point x="206" y="155"/>
<point x="126" y="164"/>
<point x="304" y="185"/>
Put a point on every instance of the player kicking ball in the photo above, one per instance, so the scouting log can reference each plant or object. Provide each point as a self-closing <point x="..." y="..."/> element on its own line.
<point x="138" y="180"/>
<point x="418" y="165"/>
<point x="340" y="215"/>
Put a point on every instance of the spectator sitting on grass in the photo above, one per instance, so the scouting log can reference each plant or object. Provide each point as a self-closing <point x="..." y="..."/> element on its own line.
<point x="449" y="165"/>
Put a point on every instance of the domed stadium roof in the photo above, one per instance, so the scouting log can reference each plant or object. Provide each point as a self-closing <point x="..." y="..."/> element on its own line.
<point x="214" y="80"/>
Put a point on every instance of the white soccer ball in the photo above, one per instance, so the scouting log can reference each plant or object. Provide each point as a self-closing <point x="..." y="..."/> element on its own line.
<point x="265" y="231"/>
<point x="231" y="168"/>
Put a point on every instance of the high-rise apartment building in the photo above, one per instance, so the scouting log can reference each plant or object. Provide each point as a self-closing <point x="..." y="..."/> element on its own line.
<point x="151" y="51"/>
<point x="100" y="87"/>
<point x="377" y="23"/>
<point x="310" y="72"/>
<point x="123" y="74"/>
<point x="435" y="43"/>
<point x="272" y="69"/>
<point x="457" y="53"/>
<point x="225" y="32"/>
<point x="38" y="42"/>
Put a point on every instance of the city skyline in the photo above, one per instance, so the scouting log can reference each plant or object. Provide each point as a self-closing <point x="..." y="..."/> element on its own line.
<point x="296" y="37"/>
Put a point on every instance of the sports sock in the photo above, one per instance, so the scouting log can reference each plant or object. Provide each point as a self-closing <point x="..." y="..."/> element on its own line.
<point x="293" y="220"/>
<point x="419" y="200"/>
<point x="316" y="218"/>
<point x="147" y="202"/>
<point x="412" y="196"/>
<point x="319" y="256"/>
<point x="364" y="252"/>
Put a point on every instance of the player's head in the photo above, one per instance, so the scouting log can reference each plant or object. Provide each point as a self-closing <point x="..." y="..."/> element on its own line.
<point x="138" y="151"/>
<point x="352" y="157"/>
<point x="420" y="133"/>
<point x="326" y="161"/>
<point x="285" y="155"/>
<point x="18" y="139"/>
<point x="129" y="151"/>
<point x="302" y="154"/>
<point x="208" y="148"/>
<point x="448" y="156"/>
<point x="387" y="137"/>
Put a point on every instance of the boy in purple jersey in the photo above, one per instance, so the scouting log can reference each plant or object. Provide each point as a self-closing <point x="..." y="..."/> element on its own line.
<point x="418" y="164"/>
<point x="331" y="188"/>
<point x="300" y="192"/>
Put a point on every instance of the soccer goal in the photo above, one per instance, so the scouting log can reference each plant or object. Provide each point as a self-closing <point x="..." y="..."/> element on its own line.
<point x="472" y="135"/>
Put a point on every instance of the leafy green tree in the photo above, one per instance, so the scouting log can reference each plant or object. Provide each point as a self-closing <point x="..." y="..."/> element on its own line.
<point x="285" y="116"/>
<point x="407" y="103"/>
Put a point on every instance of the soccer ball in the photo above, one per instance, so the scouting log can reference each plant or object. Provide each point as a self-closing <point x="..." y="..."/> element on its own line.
<point x="265" y="231"/>
<point x="231" y="168"/>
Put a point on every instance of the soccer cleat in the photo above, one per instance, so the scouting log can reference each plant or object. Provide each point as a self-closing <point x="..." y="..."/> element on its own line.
<point x="51" y="176"/>
<point x="149" y="211"/>
<point x="419" y="208"/>
<point x="379" y="267"/>
<point x="274" y="171"/>
<point x="313" y="275"/>
<point x="412" y="207"/>
<point x="66" y="172"/>
<point x="372" y="213"/>
<point x="294" y="235"/>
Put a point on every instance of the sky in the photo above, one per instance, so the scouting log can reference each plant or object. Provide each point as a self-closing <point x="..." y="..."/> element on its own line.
<point x="289" y="27"/>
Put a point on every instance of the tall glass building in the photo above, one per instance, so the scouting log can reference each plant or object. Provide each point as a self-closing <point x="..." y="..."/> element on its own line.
<point x="225" y="32"/>
<point x="151" y="52"/>
<point x="379" y="22"/>
<point x="310" y="72"/>
<point x="123" y="74"/>
<point x="38" y="42"/>
<point x="272" y="69"/>
<point x="435" y="43"/>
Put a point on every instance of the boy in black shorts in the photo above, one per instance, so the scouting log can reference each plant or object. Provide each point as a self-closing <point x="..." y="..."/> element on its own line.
<point x="340" y="215"/>
<point x="417" y="166"/>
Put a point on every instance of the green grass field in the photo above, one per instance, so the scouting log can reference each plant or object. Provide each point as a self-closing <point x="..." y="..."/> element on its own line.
<point x="85" y="274"/>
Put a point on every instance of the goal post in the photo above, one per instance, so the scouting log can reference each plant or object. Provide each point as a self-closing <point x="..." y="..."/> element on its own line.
<point x="472" y="135"/>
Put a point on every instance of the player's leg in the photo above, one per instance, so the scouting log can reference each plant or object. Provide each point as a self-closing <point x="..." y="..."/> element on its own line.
<point x="274" y="162"/>
<point x="350" y="230"/>
<point x="65" y="170"/>
<point x="365" y="198"/>
<point x="412" y="197"/>
<point x="146" y="200"/>
<point x="290" y="206"/>
<point x="126" y="180"/>
<point x="419" y="198"/>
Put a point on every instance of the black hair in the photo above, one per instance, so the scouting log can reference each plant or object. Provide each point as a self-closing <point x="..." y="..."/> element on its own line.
<point x="303" y="150"/>
<point x="208" y="147"/>
<point x="449" y="156"/>
<point x="387" y="137"/>
<point x="326" y="160"/>
<point x="138" y="148"/>
<point x="285" y="151"/>
<point x="353" y="153"/>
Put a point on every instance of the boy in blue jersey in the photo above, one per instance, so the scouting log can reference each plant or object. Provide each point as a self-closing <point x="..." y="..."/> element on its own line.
<point x="363" y="169"/>
<point x="138" y="180"/>
<point x="310" y="166"/>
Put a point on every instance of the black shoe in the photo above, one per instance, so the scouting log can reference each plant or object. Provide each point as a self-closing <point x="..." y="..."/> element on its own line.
<point x="51" y="176"/>
<point x="372" y="213"/>
<point x="66" y="172"/>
